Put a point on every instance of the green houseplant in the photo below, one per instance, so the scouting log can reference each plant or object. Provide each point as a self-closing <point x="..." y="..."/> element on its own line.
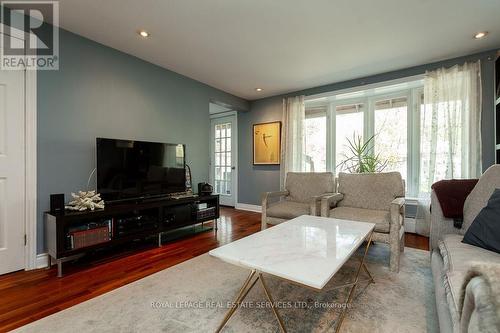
<point x="360" y="157"/>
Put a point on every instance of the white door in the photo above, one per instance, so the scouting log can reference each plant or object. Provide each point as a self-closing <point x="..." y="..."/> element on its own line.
<point x="12" y="171"/>
<point x="223" y="158"/>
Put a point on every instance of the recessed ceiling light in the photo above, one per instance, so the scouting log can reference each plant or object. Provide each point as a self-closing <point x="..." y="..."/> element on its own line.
<point x="143" y="33"/>
<point x="258" y="89"/>
<point x="481" y="34"/>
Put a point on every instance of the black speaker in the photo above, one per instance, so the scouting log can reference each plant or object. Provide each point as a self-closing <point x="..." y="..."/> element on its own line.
<point x="205" y="189"/>
<point x="57" y="203"/>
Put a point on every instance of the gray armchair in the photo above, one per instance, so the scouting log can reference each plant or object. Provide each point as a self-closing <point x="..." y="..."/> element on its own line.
<point x="302" y="196"/>
<point x="372" y="197"/>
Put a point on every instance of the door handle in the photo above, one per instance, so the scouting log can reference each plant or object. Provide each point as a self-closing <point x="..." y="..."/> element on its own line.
<point x="233" y="168"/>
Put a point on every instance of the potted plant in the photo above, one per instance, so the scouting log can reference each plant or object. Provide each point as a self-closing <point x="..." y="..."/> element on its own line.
<point x="360" y="157"/>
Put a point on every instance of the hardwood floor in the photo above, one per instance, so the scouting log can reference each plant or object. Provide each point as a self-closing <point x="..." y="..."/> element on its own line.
<point x="29" y="296"/>
<point x="417" y="241"/>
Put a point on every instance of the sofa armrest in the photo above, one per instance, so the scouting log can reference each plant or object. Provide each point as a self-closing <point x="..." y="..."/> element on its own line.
<point x="315" y="203"/>
<point x="327" y="202"/>
<point x="397" y="210"/>
<point x="275" y="194"/>
<point x="440" y="225"/>
<point x="479" y="296"/>
<point x="398" y="202"/>
<point x="265" y="204"/>
<point x="268" y="195"/>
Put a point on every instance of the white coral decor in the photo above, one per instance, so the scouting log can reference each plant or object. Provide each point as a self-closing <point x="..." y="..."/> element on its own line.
<point x="85" y="201"/>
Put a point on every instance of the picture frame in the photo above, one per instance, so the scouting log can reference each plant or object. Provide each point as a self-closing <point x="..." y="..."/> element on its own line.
<point x="267" y="143"/>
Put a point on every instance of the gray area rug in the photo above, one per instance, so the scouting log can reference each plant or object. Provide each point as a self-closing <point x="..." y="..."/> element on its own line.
<point x="193" y="297"/>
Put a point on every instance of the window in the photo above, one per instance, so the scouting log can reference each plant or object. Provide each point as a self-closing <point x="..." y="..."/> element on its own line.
<point x="390" y="114"/>
<point x="315" y="132"/>
<point x="391" y="135"/>
<point x="349" y="125"/>
<point x="443" y="137"/>
<point x="223" y="160"/>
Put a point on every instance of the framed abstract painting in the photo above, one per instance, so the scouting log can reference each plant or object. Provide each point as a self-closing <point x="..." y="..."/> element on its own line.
<point x="267" y="143"/>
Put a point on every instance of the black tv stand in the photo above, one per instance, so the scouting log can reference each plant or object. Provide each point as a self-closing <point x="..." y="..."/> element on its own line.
<point x="73" y="234"/>
<point x="138" y="200"/>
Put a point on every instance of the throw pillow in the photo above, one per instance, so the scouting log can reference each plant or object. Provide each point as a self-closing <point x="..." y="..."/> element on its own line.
<point x="485" y="229"/>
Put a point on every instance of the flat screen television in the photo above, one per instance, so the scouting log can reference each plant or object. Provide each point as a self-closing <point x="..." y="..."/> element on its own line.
<point x="129" y="169"/>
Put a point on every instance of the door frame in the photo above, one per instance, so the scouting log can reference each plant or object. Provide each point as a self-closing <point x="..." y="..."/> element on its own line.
<point x="234" y="149"/>
<point x="30" y="160"/>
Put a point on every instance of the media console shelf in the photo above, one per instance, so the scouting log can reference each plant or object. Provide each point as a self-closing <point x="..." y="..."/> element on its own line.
<point x="73" y="234"/>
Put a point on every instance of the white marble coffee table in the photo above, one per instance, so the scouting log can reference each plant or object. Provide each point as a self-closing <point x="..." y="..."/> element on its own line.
<point x="307" y="250"/>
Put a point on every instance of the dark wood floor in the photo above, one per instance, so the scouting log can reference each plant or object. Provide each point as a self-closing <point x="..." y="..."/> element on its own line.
<point x="28" y="296"/>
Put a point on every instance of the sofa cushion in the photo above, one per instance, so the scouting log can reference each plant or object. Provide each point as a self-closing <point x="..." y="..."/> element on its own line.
<point x="288" y="209"/>
<point x="302" y="186"/>
<point x="485" y="229"/>
<point x="370" y="190"/>
<point x="458" y="257"/>
<point x="381" y="218"/>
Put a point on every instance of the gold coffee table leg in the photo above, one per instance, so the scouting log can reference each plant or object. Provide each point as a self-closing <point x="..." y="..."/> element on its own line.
<point x="269" y="297"/>
<point x="356" y="280"/>
<point x="239" y="298"/>
<point x="245" y="289"/>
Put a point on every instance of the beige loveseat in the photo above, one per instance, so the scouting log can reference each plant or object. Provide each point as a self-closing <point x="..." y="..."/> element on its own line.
<point x="372" y="197"/>
<point x="302" y="196"/>
<point x="465" y="304"/>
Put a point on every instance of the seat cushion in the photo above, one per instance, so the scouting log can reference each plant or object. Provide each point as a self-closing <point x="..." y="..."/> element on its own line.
<point x="288" y="209"/>
<point x="381" y="218"/>
<point x="458" y="257"/>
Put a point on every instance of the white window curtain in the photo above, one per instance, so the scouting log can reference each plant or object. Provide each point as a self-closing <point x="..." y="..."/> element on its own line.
<point x="450" y="138"/>
<point x="450" y="142"/>
<point x="293" y="139"/>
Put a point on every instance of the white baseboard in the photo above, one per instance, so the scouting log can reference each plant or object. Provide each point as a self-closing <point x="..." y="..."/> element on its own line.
<point x="410" y="225"/>
<point x="42" y="260"/>
<point x="251" y="208"/>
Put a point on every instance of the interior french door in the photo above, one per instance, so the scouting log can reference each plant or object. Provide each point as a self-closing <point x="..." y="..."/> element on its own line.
<point x="223" y="159"/>
<point x="12" y="170"/>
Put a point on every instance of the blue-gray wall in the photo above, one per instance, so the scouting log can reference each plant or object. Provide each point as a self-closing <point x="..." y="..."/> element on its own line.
<point x="101" y="92"/>
<point x="253" y="180"/>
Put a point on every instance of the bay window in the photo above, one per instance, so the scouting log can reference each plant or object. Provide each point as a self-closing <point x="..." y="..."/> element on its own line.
<point x="390" y="114"/>
<point x="426" y="128"/>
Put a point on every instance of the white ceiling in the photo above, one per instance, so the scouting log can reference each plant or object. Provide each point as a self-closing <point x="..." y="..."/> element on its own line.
<point x="285" y="45"/>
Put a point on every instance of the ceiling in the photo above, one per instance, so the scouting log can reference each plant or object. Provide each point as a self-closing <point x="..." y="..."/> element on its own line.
<point x="285" y="45"/>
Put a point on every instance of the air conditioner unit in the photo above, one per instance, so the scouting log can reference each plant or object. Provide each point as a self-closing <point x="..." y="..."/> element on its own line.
<point x="411" y="208"/>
